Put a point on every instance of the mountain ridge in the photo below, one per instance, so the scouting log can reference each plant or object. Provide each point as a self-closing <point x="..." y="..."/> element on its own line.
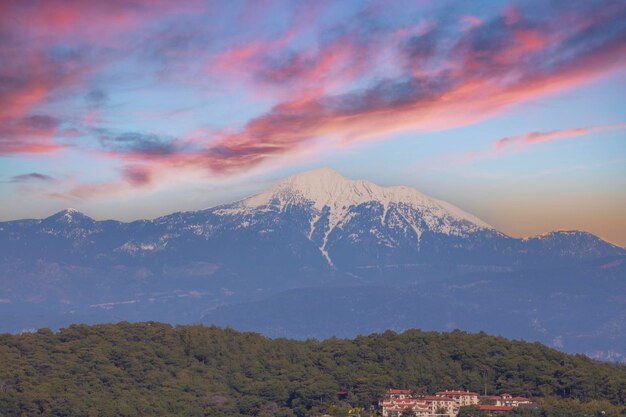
<point x="66" y="210"/>
<point x="322" y="176"/>
<point x="236" y="262"/>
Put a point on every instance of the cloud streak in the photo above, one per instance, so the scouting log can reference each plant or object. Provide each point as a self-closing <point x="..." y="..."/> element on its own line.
<point x="29" y="135"/>
<point x="539" y="137"/>
<point x="32" y="177"/>
<point x="521" y="142"/>
<point x="138" y="145"/>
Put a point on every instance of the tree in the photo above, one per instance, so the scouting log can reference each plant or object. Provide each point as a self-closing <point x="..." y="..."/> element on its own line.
<point x="407" y="412"/>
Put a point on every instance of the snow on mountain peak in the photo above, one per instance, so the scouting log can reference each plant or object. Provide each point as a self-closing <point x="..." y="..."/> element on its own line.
<point x="69" y="216"/>
<point x="326" y="187"/>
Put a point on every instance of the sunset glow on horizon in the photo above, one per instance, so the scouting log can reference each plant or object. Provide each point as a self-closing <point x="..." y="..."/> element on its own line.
<point x="513" y="110"/>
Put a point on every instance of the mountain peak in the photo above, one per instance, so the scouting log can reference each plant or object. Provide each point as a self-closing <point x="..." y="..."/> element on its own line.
<point x="69" y="216"/>
<point x="576" y="237"/>
<point x="314" y="183"/>
<point x="319" y="174"/>
<point x="325" y="187"/>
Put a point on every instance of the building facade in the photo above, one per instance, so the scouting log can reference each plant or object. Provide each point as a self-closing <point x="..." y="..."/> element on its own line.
<point x="505" y="400"/>
<point x="421" y="405"/>
<point x="462" y="398"/>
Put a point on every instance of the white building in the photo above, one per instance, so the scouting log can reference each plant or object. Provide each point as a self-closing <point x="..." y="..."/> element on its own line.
<point x="505" y="400"/>
<point x="462" y="398"/>
<point x="422" y="405"/>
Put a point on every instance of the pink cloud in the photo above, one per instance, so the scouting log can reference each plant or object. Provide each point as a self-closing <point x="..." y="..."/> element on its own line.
<point x="279" y="68"/>
<point x="236" y="61"/>
<point x="290" y="125"/>
<point x="93" y="23"/>
<point x="470" y="21"/>
<point x="520" y="142"/>
<point x="538" y="137"/>
<point x="33" y="73"/>
<point x="511" y="15"/>
<point x="29" y="135"/>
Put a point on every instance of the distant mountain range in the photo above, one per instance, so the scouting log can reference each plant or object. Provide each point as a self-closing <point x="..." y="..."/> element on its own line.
<point x="318" y="255"/>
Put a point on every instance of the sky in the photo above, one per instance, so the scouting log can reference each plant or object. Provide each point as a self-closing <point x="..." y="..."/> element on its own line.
<point x="513" y="110"/>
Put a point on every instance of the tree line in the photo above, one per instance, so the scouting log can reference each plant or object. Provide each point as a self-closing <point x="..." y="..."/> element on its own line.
<point x="155" y="369"/>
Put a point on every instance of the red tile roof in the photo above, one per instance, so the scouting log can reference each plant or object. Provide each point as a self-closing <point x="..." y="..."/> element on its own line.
<point x="399" y="391"/>
<point x="491" y="397"/>
<point x="494" y="408"/>
<point x="436" y="398"/>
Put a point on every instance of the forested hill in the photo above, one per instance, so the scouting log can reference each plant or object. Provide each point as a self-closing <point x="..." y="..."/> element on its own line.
<point x="155" y="369"/>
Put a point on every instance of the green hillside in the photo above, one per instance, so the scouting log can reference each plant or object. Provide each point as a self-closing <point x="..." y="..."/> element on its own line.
<point x="154" y="369"/>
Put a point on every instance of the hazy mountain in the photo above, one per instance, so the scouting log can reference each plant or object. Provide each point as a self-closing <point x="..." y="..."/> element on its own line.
<point x="315" y="255"/>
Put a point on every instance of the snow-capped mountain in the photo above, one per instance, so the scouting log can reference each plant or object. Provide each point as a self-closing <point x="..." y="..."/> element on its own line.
<point x="331" y="201"/>
<point x="314" y="234"/>
<point x="326" y="189"/>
